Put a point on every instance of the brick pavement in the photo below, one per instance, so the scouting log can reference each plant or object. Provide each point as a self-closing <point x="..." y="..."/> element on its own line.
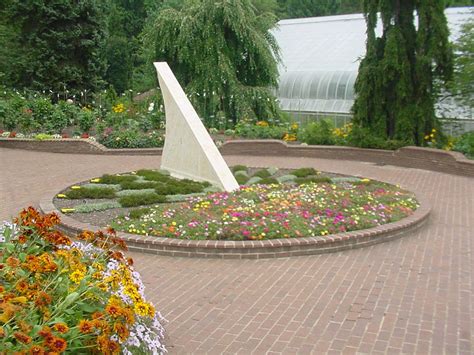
<point x="413" y="295"/>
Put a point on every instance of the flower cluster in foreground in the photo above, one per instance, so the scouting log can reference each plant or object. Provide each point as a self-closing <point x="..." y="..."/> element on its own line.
<point x="276" y="211"/>
<point x="59" y="295"/>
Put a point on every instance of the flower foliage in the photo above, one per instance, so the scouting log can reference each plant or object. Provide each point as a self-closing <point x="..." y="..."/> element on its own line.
<point x="277" y="211"/>
<point x="61" y="295"/>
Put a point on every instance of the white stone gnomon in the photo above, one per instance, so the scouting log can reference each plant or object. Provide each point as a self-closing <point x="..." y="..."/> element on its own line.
<point x="189" y="151"/>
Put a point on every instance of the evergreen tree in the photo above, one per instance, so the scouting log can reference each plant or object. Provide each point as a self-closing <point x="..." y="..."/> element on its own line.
<point x="222" y="54"/>
<point x="126" y="21"/>
<point x="63" y="41"/>
<point x="396" y="86"/>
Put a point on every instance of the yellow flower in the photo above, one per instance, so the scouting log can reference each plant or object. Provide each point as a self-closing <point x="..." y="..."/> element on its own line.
<point x="76" y="276"/>
<point x="95" y="180"/>
<point x="61" y="196"/>
<point x="67" y="210"/>
<point x="262" y="123"/>
<point x="142" y="308"/>
<point x="75" y="187"/>
<point x="119" y="108"/>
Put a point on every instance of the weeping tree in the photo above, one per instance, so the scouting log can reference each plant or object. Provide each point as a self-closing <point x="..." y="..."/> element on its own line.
<point x="400" y="75"/>
<point x="222" y="54"/>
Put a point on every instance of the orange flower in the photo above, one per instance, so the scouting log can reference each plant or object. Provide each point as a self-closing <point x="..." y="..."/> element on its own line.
<point x="22" y="337"/>
<point x="2" y="333"/>
<point x="22" y="286"/>
<point x="85" y="326"/>
<point x="22" y="239"/>
<point x="43" y="299"/>
<point x="45" y="332"/>
<point x="57" y="344"/>
<point x="24" y="327"/>
<point x="121" y="331"/>
<point x="36" y="350"/>
<point x="61" y="328"/>
<point x="113" y="310"/>
<point x="12" y="262"/>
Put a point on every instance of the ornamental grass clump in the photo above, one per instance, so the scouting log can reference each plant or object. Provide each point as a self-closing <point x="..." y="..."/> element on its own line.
<point x="59" y="295"/>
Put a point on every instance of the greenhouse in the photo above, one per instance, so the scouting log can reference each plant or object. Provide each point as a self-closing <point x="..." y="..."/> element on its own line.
<point x="320" y="60"/>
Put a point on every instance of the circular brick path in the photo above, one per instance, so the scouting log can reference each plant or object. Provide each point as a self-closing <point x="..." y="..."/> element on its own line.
<point x="412" y="295"/>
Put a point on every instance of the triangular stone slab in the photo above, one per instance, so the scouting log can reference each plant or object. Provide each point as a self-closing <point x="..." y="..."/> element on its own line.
<point x="189" y="151"/>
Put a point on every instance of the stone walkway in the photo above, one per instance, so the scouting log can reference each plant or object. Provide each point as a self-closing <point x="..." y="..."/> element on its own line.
<point x="413" y="295"/>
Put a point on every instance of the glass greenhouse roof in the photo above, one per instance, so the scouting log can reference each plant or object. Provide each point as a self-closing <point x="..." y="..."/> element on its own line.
<point x="321" y="56"/>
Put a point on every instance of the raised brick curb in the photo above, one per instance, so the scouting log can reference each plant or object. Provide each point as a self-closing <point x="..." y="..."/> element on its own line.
<point x="411" y="157"/>
<point x="274" y="248"/>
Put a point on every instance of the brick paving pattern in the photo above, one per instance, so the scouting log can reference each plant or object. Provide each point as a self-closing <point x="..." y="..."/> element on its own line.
<point x="412" y="295"/>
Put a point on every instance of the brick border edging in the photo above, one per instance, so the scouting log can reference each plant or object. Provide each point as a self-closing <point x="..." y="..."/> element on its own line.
<point x="411" y="157"/>
<point x="272" y="248"/>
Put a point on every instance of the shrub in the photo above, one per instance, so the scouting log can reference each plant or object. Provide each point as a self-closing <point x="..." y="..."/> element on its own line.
<point x="259" y="131"/>
<point x="181" y="187"/>
<point x="93" y="193"/>
<point x="116" y="179"/>
<point x="141" y="199"/>
<point x="131" y="138"/>
<point x="303" y="172"/>
<point x="318" y="133"/>
<point x="43" y="136"/>
<point x="465" y="144"/>
<point x="262" y="173"/>
<point x="86" y="119"/>
<point x="363" y="138"/>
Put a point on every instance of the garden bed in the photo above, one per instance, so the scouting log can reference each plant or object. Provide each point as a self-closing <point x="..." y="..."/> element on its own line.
<point x="313" y="210"/>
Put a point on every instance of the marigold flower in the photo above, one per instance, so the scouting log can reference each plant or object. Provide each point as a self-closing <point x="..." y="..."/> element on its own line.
<point x="113" y="310"/>
<point x="22" y="337"/>
<point x="61" y="328"/>
<point x="45" y="332"/>
<point x="85" y="326"/>
<point x="42" y="299"/>
<point x="36" y="350"/>
<point x="121" y="331"/>
<point x="57" y="344"/>
<point x="12" y="262"/>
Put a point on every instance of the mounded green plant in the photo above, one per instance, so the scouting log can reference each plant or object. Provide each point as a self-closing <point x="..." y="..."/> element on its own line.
<point x="465" y="144"/>
<point x="116" y="179"/>
<point x="137" y="185"/>
<point x="262" y="173"/>
<point x="236" y="168"/>
<point x="303" y="172"/>
<point x="141" y="199"/>
<point x="92" y="193"/>
<point x="153" y="175"/>
<point x="116" y="187"/>
<point x="241" y="179"/>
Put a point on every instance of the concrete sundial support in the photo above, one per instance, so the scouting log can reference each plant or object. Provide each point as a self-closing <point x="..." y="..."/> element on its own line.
<point x="189" y="151"/>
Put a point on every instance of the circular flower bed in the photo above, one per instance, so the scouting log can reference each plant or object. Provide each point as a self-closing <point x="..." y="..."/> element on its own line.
<point x="57" y="295"/>
<point x="269" y="211"/>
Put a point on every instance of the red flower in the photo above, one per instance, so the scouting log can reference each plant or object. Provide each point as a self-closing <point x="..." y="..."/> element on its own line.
<point x="65" y="135"/>
<point x="85" y="135"/>
<point x="12" y="135"/>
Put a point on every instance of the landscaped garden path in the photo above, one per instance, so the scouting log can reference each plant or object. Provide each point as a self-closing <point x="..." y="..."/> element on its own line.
<point x="412" y="295"/>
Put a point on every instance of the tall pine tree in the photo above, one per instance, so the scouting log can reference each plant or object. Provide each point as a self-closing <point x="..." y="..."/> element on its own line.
<point x="397" y="83"/>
